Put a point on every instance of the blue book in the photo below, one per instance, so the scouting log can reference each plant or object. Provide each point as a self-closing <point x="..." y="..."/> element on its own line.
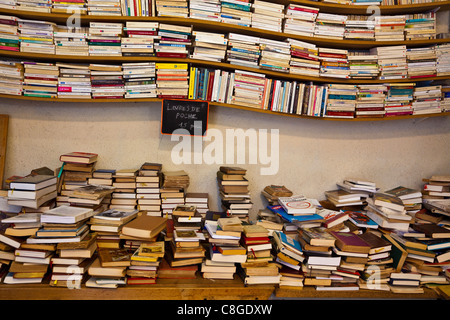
<point x="288" y="241"/>
<point x="279" y="210"/>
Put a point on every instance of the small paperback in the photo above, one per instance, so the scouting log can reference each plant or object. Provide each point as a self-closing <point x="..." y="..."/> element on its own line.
<point x="297" y="205"/>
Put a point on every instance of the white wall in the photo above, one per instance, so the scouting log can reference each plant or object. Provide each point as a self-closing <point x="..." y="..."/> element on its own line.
<point x="313" y="154"/>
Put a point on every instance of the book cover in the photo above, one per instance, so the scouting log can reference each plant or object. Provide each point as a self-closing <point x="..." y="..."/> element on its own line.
<point x="33" y="182"/>
<point x="297" y="205"/>
<point x="350" y="242"/>
<point x="79" y="157"/>
<point x="145" y="226"/>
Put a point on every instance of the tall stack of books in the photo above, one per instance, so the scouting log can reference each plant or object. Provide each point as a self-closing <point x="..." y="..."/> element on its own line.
<point x="178" y="8"/>
<point x="145" y="263"/>
<point x="139" y="79"/>
<point x="358" y="27"/>
<point x="40" y="79"/>
<point x="140" y="38"/>
<point x="363" y="64"/>
<point x="421" y="62"/>
<point x="11" y="79"/>
<point x="71" y="41"/>
<point x="105" y="39"/>
<point x="289" y="254"/>
<point x="236" y="12"/>
<point x="36" y="36"/>
<point x="32" y="191"/>
<point x="248" y="89"/>
<point x="390" y="28"/>
<point x="205" y="10"/>
<point x="304" y="58"/>
<point x="399" y="99"/>
<point x="104" y="8"/>
<point x="209" y="46"/>
<point x="74" y="81"/>
<point x="172" y="80"/>
<point x="9" y="33"/>
<point x="391" y="62"/>
<point x="334" y="63"/>
<point x="148" y="182"/>
<point x="37" y="6"/>
<point x="174" y="41"/>
<point x="370" y="100"/>
<point x="243" y="50"/>
<point x="267" y="15"/>
<point x="69" y="6"/>
<point x="442" y="59"/>
<point x="106" y="81"/>
<point x="275" y="55"/>
<point x="300" y="20"/>
<point x="234" y="192"/>
<point x="420" y="26"/>
<point x="341" y="100"/>
<point x="124" y="195"/>
<point x="173" y="190"/>
<point x="427" y="99"/>
<point x="330" y="26"/>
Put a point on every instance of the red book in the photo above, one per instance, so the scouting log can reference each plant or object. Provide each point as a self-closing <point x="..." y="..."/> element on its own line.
<point x="79" y="157"/>
<point x="171" y="55"/>
<point x="254" y="240"/>
<point x="350" y="242"/>
<point x="142" y="32"/>
<point x="173" y="96"/>
<point x="210" y="86"/>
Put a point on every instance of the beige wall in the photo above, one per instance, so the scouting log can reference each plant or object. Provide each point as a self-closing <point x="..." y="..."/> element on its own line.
<point x="314" y="154"/>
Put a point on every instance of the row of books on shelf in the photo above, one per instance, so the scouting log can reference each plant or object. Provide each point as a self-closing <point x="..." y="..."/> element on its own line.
<point x="291" y="19"/>
<point x="243" y="88"/>
<point x="358" y="237"/>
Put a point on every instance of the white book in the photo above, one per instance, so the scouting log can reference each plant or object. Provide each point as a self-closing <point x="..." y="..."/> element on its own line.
<point x="66" y="214"/>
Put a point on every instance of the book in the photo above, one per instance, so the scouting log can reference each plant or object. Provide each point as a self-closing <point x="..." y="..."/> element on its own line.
<point x="79" y="157"/>
<point x="332" y="217"/>
<point x="33" y="182"/>
<point x="297" y="205"/>
<point x="388" y="200"/>
<point x="317" y="236"/>
<point x="66" y="214"/>
<point x="114" y="257"/>
<point x="432" y="230"/>
<point x="145" y="226"/>
<point x="351" y="242"/>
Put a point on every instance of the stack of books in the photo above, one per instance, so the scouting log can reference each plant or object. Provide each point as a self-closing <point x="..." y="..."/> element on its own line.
<point x="405" y="282"/>
<point x="37" y="6"/>
<point x="174" y="41"/>
<point x="11" y="78"/>
<point x="198" y="199"/>
<point x="427" y="99"/>
<point x="106" y="81"/>
<point x="105" y="39"/>
<point x="330" y="26"/>
<point x="170" y="198"/>
<point x="363" y="64"/>
<point x="442" y="59"/>
<point x="71" y="41"/>
<point x="32" y="191"/>
<point x="148" y="182"/>
<point x="304" y="58"/>
<point x="40" y="80"/>
<point x="139" y="79"/>
<point x="90" y="196"/>
<point x="421" y="62"/>
<point x="236" y="12"/>
<point x="243" y="50"/>
<point x="172" y="80"/>
<point x="234" y="192"/>
<point x="178" y="8"/>
<point x="138" y="8"/>
<point x="399" y="99"/>
<point x="209" y="46"/>
<point x="435" y="188"/>
<point x="124" y="195"/>
<point x="74" y="81"/>
<point x="248" y="89"/>
<point x="140" y="38"/>
<point x="341" y="198"/>
<point x="289" y="254"/>
<point x="334" y="63"/>
<point x="358" y="27"/>
<point x="411" y="198"/>
<point x="205" y="10"/>
<point x="275" y="55"/>
<point x="69" y="6"/>
<point x="103" y="177"/>
<point x="390" y="28"/>
<point x="341" y="100"/>
<point x="391" y="62"/>
<point x="9" y="33"/>
<point x="300" y="20"/>
<point x="36" y="36"/>
<point x="388" y="211"/>
<point x="420" y="26"/>
<point x="370" y="100"/>
<point x="145" y="262"/>
<point x="267" y="15"/>
<point x="358" y="185"/>
<point x="104" y="8"/>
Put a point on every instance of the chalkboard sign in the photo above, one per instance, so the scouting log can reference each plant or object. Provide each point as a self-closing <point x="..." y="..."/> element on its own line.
<point x="191" y="115"/>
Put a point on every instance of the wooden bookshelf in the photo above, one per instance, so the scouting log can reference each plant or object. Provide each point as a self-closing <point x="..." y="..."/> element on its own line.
<point x="218" y="27"/>
<point x="224" y="105"/>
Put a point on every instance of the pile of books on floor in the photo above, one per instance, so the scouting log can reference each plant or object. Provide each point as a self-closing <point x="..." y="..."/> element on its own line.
<point x="172" y="80"/>
<point x="105" y="39"/>
<point x="178" y="8"/>
<point x="420" y="26"/>
<point x="40" y="79"/>
<point x="421" y="62"/>
<point x="267" y="15"/>
<point x="209" y="46"/>
<point x="359" y="27"/>
<point x="304" y="58"/>
<point x="330" y="26"/>
<point x="300" y="20"/>
<point x="148" y="183"/>
<point x="74" y="81"/>
<point x="139" y="79"/>
<point x="427" y="99"/>
<point x="205" y="10"/>
<point x="107" y="8"/>
<point x="392" y="62"/>
<point x="243" y="50"/>
<point x="236" y="12"/>
<point x="174" y="41"/>
<point x="106" y="81"/>
<point x="11" y="79"/>
<point x="362" y="64"/>
<point x="71" y="41"/>
<point x="370" y="100"/>
<point x="390" y="28"/>
<point x="36" y="36"/>
<point x="140" y="38"/>
<point x="9" y="33"/>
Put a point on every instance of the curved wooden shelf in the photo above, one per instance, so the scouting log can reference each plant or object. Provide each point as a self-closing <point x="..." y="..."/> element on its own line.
<point x="226" y="105"/>
<point x="218" y="27"/>
<point x="204" y="63"/>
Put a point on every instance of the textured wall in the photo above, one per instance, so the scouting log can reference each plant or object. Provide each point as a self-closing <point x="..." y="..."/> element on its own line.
<point x="313" y="154"/>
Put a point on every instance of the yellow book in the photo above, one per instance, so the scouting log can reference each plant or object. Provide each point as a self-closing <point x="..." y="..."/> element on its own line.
<point x="171" y="66"/>
<point x="192" y="82"/>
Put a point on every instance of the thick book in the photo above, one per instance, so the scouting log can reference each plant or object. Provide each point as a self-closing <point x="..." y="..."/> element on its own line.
<point x="350" y="242"/>
<point x="388" y="200"/>
<point x="33" y="182"/>
<point x="404" y="193"/>
<point x="114" y="257"/>
<point x="297" y="205"/>
<point x="66" y="214"/>
<point x="377" y="244"/>
<point x="432" y="230"/>
<point x="79" y="157"/>
<point x="145" y="226"/>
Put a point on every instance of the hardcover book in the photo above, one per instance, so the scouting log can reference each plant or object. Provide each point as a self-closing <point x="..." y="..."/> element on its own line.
<point x="350" y="242"/>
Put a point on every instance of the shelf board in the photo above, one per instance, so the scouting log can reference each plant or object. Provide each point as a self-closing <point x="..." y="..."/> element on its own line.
<point x="218" y="27"/>
<point x="224" y="105"/>
<point x="203" y="63"/>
